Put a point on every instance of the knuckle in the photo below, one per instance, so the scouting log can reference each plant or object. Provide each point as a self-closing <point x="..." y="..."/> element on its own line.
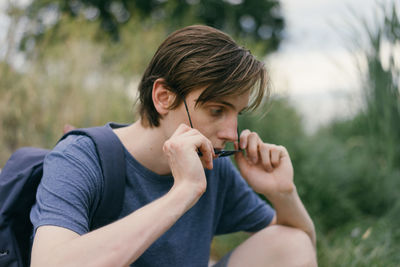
<point x="263" y="146"/>
<point x="195" y="131"/>
<point x="170" y="145"/>
<point x="253" y="134"/>
<point x="282" y="148"/>
<point x="245" y="133"/>
<point x="182" y="126"/>
<point x="167" y="146"/>
<point x="274" y="149"/>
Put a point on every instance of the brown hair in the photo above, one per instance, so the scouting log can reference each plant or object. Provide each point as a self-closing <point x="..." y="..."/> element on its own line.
<point x="200" y="56"/>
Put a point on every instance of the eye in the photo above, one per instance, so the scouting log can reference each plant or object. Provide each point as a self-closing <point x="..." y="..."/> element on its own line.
<point x="216" y="111"/>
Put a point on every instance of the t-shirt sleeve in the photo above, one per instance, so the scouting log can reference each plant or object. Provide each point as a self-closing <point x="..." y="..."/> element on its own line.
<point x="242" y="209"/>
<point x="71" y="185"/>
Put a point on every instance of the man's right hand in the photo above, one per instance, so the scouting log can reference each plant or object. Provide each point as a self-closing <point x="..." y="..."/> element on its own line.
<point x="186" y="166"/>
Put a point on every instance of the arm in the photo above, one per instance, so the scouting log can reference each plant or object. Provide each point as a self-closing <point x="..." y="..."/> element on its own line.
<point x="123" y="241"/>
<point x="268" y="170"/>
<point x="117" y="244"/>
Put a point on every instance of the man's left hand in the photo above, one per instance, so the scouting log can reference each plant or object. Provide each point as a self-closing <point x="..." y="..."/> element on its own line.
<point x="267" y="168"/>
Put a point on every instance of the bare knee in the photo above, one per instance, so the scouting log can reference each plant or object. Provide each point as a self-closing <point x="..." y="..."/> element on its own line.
<point x="276" y="246"/>
<point x="294" y="246"/>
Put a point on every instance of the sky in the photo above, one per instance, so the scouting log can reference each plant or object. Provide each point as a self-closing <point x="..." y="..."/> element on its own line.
<point x="313" y="66"/>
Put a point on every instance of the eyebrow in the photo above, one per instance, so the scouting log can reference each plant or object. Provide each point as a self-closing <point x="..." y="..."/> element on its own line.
<point x="230" y="105"/>
<point x="226" y="104"/>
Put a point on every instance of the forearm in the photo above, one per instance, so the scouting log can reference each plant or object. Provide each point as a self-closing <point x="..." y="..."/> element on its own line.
<point x="290" y="211"/>
<point x="123" y="241"/>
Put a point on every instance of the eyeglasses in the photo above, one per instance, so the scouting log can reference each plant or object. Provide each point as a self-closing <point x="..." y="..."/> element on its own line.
<point x="219" y="153"/>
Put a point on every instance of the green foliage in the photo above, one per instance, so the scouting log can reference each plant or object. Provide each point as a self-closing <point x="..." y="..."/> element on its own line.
<point x="382" y="87"/>
<point x="365" y="173"/>
<point x="69" y="78"/>
<point x="260" y="21"/>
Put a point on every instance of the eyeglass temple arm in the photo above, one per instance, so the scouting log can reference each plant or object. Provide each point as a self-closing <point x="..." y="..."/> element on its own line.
<point x="191" y="124"/>
<point x="187" y="111"/>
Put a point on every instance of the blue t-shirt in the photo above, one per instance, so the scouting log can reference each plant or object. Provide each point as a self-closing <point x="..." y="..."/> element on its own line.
<point x="72" y="183"/>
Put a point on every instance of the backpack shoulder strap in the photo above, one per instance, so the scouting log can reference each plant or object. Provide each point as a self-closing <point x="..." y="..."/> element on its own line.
<point x="112" y="161"/>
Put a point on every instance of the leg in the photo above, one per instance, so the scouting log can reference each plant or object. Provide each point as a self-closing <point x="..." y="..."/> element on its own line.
<point x="275" y="246"/>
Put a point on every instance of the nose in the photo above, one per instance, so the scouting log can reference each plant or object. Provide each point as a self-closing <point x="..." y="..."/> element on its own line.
<point x="229" y="130"/>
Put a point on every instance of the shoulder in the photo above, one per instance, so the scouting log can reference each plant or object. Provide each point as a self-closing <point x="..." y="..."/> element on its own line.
<point x="75" y="149"/>
<point x="74" y="160"/>
<point x="75" y="143"/>
<point x="71" y="186"/>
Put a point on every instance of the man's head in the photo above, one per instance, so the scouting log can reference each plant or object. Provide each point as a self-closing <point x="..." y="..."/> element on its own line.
<point x="201" y="57"/>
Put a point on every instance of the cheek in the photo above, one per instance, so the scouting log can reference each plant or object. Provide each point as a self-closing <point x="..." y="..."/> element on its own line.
<point x="212" y="132"/>
<point x="206" y="128"/>
<point x="173" y="119"/>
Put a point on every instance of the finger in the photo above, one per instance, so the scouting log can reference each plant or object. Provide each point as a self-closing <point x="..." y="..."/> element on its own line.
<point x="252" y="147"/>
<point x="265" y="157"/>
<point x="275" y="154"/>
<point x="196" y="133"/>
<point x="243" y="138"/>
<point x="182" y="128"/>
<point x="241" y="161"/>
<point x="204" y="145"/>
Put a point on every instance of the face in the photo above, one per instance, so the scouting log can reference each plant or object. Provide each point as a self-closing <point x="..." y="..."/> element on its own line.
<point x="217" y="120"/>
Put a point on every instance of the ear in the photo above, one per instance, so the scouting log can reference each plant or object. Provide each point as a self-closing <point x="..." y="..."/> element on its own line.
<point x="162" y="97"/>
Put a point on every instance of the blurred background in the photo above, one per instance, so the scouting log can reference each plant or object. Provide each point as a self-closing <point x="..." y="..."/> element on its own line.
<point x="334" y="72"/>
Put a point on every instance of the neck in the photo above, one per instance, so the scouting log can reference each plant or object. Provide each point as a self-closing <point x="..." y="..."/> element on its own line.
<point x="145" y="145"/>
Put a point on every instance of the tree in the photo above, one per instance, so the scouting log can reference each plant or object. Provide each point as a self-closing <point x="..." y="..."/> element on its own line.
<point x="260" y="21"/>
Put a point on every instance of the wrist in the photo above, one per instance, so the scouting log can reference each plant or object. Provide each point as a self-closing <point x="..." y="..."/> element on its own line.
<point x="291" y="212"/>
<point x="188" y="193"/>
<point x="283" y="197"/>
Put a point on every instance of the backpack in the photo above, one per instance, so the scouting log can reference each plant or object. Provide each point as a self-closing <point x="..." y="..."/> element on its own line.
<point x="21" y="176"/>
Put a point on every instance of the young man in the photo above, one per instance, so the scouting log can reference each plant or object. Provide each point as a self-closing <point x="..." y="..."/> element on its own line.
<point x="179" y="192"/>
